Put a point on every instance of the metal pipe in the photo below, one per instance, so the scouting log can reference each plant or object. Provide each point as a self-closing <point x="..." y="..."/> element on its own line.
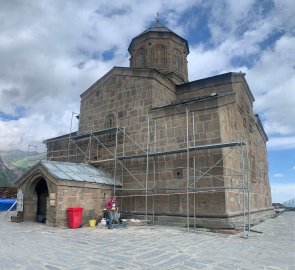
<point x="154" y="186"/>
<point x="78" y="147"/>
<point x="122" y="182"/>
<point x="118" y="161"/>
<point x="194" y="138"/>
<point x="70" y="134"/>
<point x="179" y="193"/>
<point x="212" y="188"/>
<point x="154" y="191"/>
<point x="243" y="186"/>
<point x="133" y="141"/>
<point x="249" y="193"/>
<point x="147" y="166"/>
<point x="10" y="208"/>
<point x="155" y="136"/>
<point x="133" y="189"/>
<point x="115" y="156"/>
<point x="70" y="138"/>
<point x="187" y="170"/>
<point x="90" y="147"/>
<point x="97" y="151"/>
<point x="124" y="134"/>
<point x="214" y="165"/>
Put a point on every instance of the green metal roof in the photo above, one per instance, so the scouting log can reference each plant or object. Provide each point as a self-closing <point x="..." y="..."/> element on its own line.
<point x="78" y="172"/>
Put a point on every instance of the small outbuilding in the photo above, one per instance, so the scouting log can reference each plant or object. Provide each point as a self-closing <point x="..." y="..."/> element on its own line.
<point x="51" y="187"/>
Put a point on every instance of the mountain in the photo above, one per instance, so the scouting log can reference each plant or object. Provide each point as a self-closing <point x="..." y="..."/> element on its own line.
<point x="14" y="163"/>
<point x="9" y="173"/>
<point x="16" y="155"/>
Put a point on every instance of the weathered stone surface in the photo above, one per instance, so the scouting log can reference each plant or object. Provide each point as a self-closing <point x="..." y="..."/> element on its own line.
<point x="35" y="246"/>
<point x="159" y="113"/>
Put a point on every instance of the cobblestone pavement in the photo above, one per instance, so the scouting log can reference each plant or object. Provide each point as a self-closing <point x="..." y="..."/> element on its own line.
<point x="33" y="246"/>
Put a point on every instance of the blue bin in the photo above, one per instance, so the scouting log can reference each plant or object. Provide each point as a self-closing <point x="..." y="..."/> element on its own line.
<point x="5" y="204"/>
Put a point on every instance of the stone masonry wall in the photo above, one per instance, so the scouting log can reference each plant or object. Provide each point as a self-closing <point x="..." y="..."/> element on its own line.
<point x="238" y="121"/>
<point x="91" y="199"/>
<point x="130" y="99"/>
<point x="167" y="174"/>
<point x="30" y="197"/>
<point x="166" y="53"/>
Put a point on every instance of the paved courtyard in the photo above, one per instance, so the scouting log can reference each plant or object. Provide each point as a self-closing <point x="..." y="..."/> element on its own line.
<point x="33" y="246"/>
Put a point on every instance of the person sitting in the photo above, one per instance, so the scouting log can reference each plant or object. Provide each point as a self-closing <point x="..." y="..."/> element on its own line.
<point x="111" y="206"/>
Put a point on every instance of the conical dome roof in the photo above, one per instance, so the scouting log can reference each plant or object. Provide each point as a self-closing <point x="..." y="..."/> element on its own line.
<point x="157" y="27"/>
<point x="160" y="28"/>
<point x="160" y="48"/>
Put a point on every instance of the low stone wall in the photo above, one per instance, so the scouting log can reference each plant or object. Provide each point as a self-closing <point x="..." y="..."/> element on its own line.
<point x="235" y="222"/>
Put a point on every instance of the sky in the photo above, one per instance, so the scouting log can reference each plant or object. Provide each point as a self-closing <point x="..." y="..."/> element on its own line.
<point x="51" y="51"/>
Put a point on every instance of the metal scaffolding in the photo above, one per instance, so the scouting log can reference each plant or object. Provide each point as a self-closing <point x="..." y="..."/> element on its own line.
<point x="150" y="152"/>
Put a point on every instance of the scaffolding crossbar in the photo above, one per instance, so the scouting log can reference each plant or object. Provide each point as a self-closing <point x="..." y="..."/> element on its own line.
<point x="95" y="133"/>
<point x="182" y="150"/>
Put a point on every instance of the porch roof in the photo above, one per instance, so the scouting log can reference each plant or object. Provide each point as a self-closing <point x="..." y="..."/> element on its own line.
<point x="78" y="172"/>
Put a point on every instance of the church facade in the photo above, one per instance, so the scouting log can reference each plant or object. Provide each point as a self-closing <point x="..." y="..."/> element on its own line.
<point x="184" y="152"/>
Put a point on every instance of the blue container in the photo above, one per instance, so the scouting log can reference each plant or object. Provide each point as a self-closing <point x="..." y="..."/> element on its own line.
<point x="5" y="204"/>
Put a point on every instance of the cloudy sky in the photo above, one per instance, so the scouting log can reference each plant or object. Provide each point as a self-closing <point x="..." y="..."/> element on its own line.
<point x="51" y="51"/>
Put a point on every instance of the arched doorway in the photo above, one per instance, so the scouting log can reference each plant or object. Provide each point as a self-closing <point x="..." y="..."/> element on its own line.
<point x="35" y="199"/>
<point x="42" y="195"/>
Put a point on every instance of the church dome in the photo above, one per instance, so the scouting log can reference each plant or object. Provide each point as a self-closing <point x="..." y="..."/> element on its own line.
<point x="160" y="48"/>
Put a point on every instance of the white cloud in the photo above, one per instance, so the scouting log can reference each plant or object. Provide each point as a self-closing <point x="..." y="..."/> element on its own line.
<point x="273" y="81"/>
<point x="34" y="129"/>
<point x="279" y="175"/>
<point x="52" y="51"/>
<point x="293" y="168"/>
<point x="271" y="74"/>
<point x="281" y="143"/>
<point x="282" y="192"/>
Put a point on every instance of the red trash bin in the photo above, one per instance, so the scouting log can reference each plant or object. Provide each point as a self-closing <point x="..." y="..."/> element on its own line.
<point x="75" y="217"/>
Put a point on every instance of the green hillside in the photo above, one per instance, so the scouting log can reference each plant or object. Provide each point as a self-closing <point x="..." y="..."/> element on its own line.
<point x="26" y="162"/>
<point x="14" y="163"/>
<point x="16" y="155"/>
<point x="9" y="176"/>
<point x="4" y="182"/>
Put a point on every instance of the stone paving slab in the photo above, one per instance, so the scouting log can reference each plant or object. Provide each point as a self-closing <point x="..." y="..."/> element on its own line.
<point x="31" y="246"/>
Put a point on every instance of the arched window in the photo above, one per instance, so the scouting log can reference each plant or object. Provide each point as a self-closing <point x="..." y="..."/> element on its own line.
<point x="110" y="120"/>
<point x="178" y="60"/>
<point x="159" y="56"/>
<point x="141" y="57"/>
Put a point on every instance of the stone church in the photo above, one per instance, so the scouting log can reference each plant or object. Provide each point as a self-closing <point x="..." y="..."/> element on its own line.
<point x="179" y="152"/>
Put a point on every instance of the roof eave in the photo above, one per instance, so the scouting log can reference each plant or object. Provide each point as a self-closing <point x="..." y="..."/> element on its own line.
<point x="146" y="33"/>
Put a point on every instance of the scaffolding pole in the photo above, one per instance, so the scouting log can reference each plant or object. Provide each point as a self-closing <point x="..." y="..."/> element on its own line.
<point x="120" y="162"/>
<point x="115" y="156"/>
<point x="183" y="150"/>
<point x="187" y="170"/>
<point x="187" y="149"/>
<point x="85" y="154"/>
<point x="249" y="194"/>
<point x="123" y="153"/>
<point x="147" y="167"/>
<point x="133" y="140"/>
<point x="154" y="158"/>
<point x="243" y="185"/>
<point x="122" y="182"/>
<point x="194" y="160"/>
<point x="206" y="172"/>
<point x="154" y="185"/>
